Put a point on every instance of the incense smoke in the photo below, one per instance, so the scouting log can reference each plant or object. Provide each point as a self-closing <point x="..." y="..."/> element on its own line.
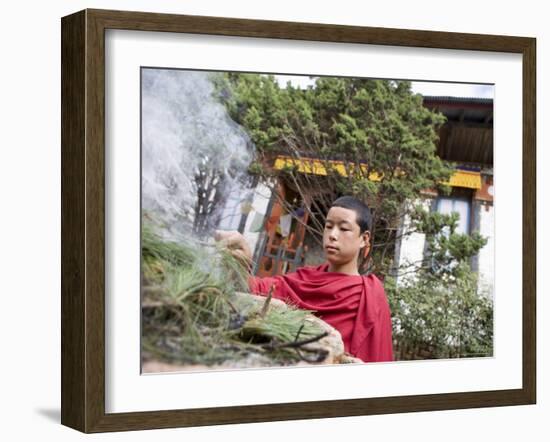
<point x="193" y="153"/>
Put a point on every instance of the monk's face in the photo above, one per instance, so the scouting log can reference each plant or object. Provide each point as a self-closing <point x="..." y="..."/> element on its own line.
<point x="341" y="238"/>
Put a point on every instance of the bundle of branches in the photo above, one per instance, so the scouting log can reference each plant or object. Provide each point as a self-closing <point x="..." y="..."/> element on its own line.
<point x="192" y="312"/>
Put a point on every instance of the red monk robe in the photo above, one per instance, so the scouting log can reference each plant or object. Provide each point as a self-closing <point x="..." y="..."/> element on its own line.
<point x="356" y="306"/>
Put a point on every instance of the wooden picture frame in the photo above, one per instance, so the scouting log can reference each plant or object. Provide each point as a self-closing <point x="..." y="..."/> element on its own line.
<point x="83" y="220"/>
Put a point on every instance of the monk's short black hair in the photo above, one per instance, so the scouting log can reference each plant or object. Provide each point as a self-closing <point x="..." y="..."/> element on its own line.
<point x="362" y="211"/>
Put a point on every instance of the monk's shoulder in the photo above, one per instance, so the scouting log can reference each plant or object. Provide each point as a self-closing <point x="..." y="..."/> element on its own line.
<point x="373" y="280"/>
<point x="375" y="286"/>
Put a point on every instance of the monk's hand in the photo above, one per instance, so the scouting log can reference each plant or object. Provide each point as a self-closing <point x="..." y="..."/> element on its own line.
<point x="235" y="243"/>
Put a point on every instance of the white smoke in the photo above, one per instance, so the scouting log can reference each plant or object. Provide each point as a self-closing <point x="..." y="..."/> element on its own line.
<point x="185" y="128"/>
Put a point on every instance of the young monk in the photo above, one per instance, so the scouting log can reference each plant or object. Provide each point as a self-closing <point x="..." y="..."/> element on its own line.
<point x="353" y="304"/>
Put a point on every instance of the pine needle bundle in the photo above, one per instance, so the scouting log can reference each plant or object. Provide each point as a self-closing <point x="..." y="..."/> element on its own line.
<point x="192" y="313"/>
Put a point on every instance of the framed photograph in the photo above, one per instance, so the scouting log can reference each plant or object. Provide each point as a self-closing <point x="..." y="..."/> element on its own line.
<point x="267" y="220"/>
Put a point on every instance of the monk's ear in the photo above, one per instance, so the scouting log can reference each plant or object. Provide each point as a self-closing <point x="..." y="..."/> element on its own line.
<point x="365" y="236"/>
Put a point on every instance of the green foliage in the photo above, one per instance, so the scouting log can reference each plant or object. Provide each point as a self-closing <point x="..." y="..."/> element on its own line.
<point x="442" y="315"/>
<point x="445" y="247"/>
<point x="372" y="126"/>
<point x="437" y="311"/>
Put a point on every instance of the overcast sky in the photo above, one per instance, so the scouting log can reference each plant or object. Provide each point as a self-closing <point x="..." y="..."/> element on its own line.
<point x="453" y="89"/>
<point x="420" y="87"/>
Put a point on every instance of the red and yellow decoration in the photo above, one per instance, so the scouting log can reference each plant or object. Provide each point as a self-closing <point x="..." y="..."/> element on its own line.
<point x="460" y="178"/>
